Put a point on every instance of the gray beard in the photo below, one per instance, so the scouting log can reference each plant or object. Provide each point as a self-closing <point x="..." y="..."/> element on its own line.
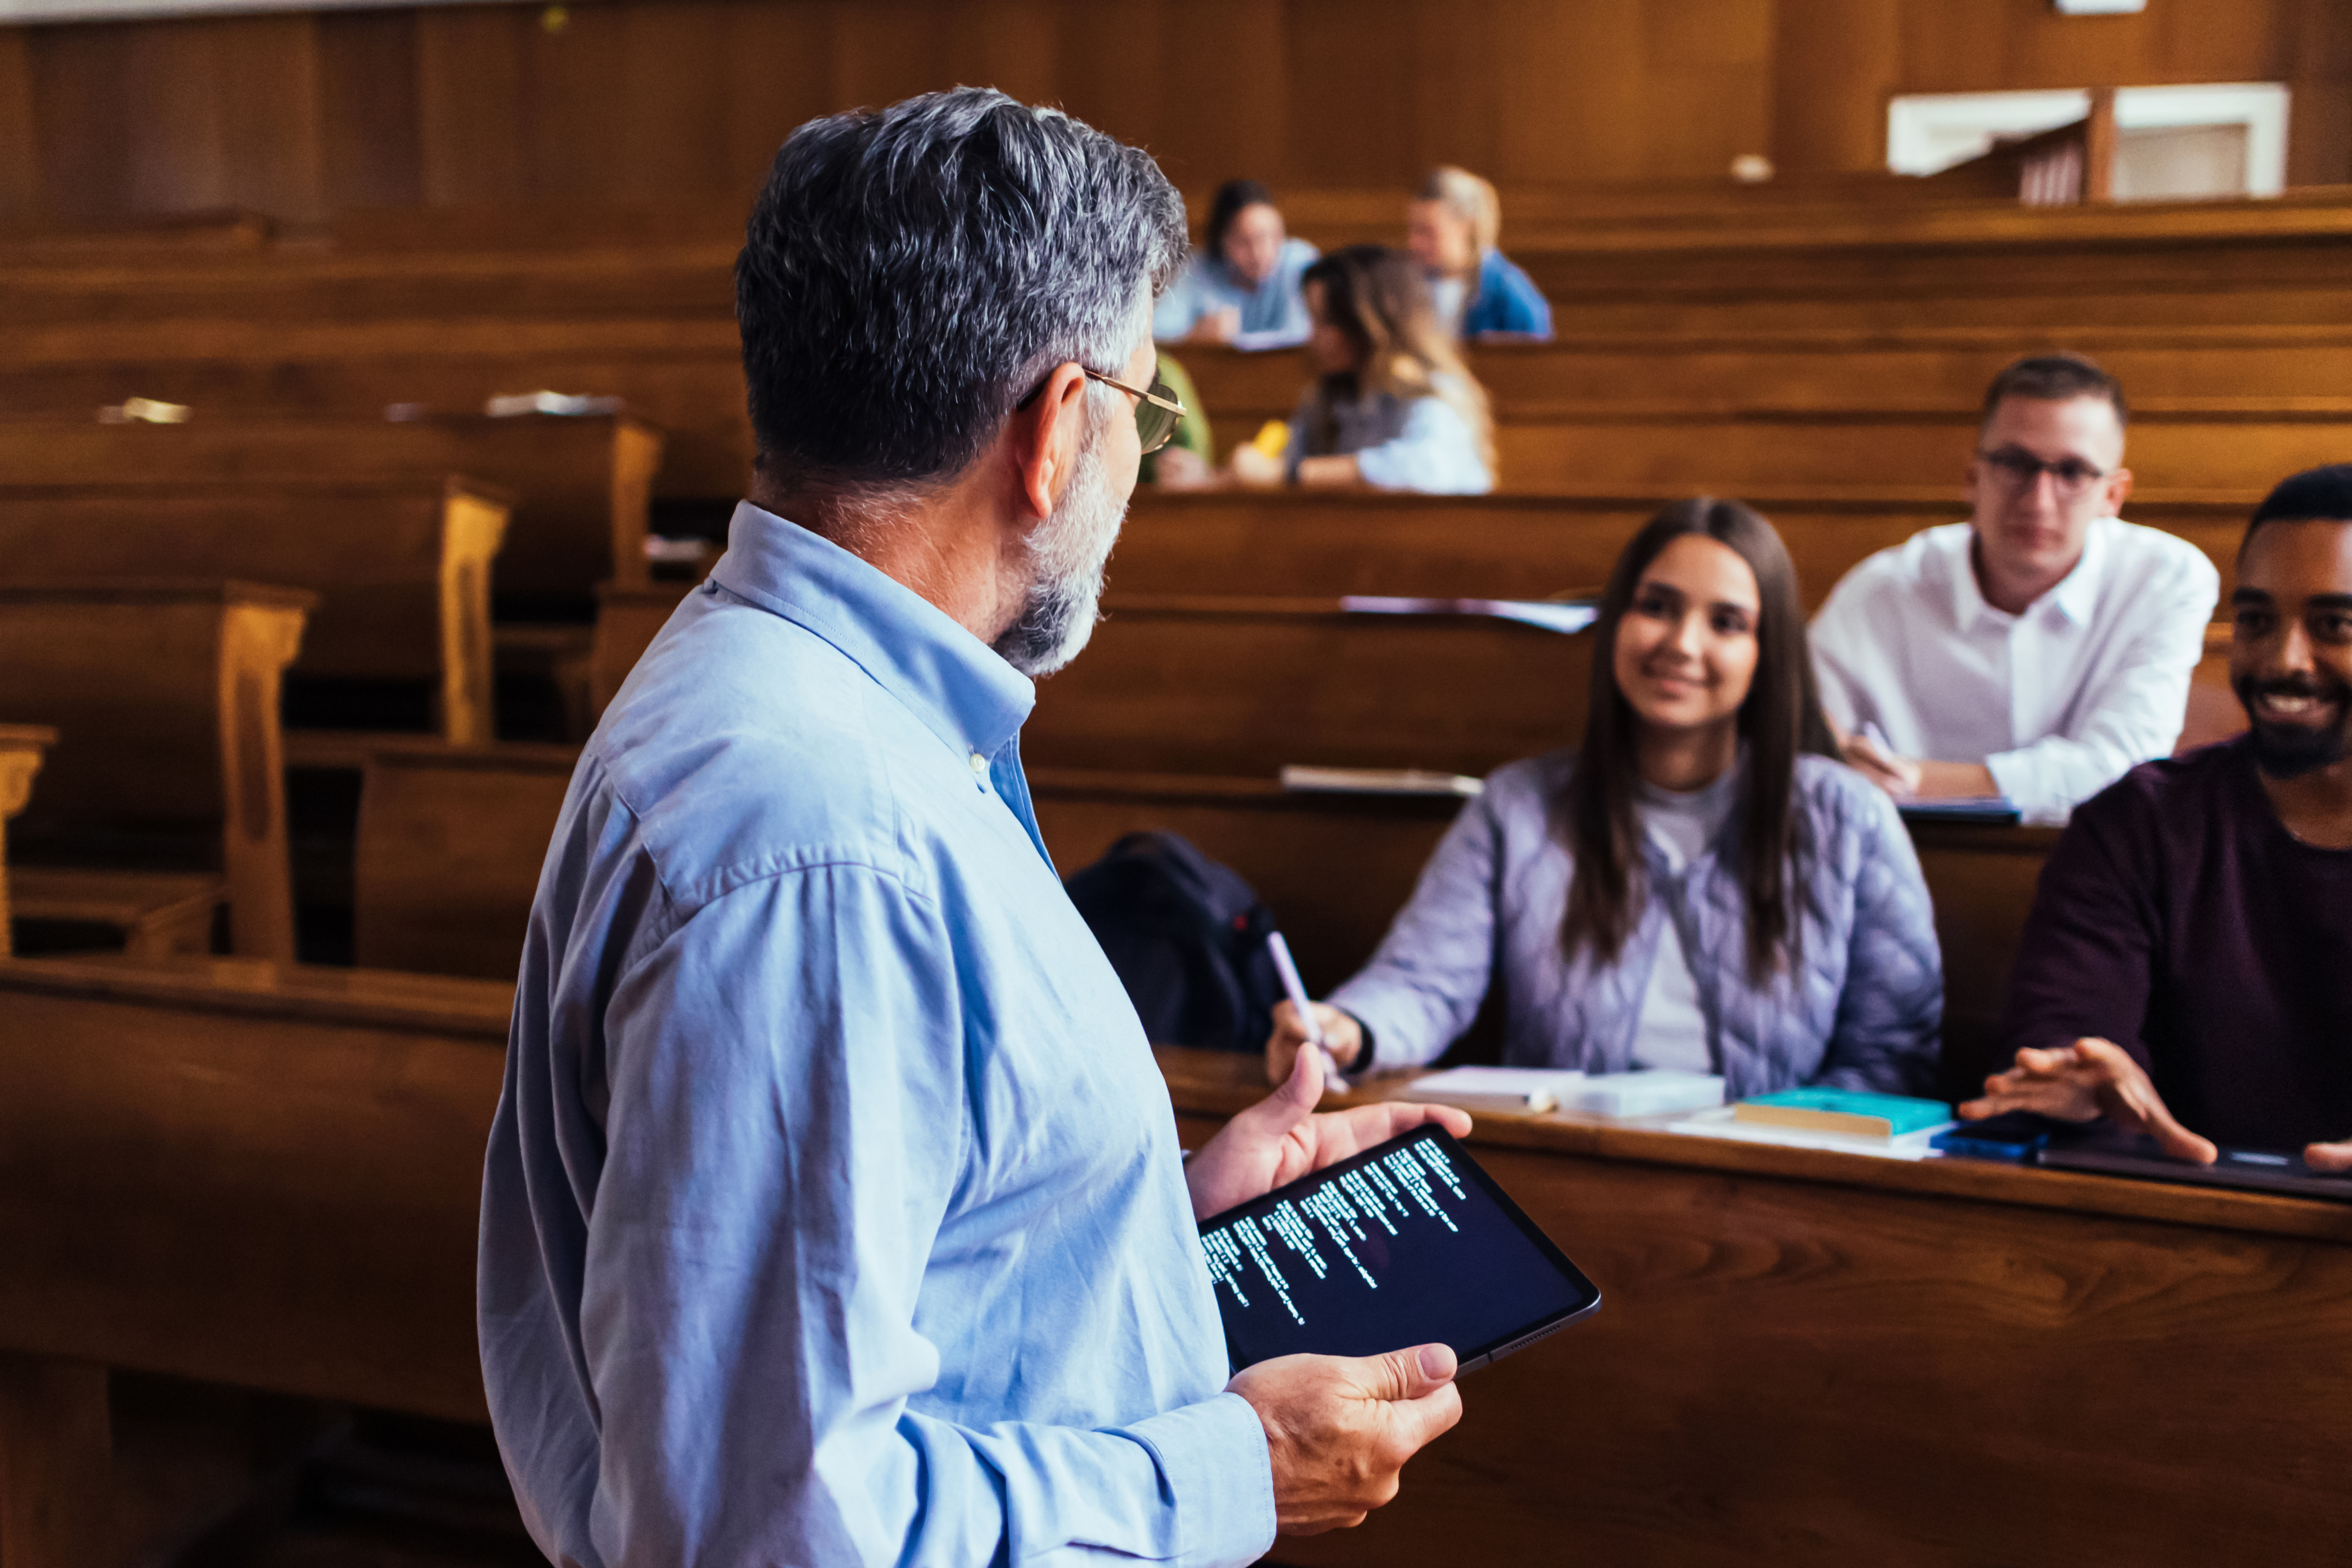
<point x="1069" y="553"/>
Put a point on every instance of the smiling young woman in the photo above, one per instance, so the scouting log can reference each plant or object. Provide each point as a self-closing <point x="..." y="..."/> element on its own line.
<point x="1700" y="885"/>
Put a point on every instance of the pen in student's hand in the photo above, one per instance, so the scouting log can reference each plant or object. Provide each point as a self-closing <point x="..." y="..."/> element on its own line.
<point x="1296" y="989"/>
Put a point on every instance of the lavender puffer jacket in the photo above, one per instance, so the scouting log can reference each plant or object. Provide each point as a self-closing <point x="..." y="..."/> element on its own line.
<point x="1864" y="1012"/>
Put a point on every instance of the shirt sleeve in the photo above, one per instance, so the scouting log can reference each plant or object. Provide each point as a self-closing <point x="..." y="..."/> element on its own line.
<point x="1180" y="309"/>
<point x="1424" y="984"/>
<point x="1839" y="639"/>
<point x="2085" y="961"/>
<point x="1435" y="455"/>
<point x="2134" y="716"/>
<point x="1890" y="1014"/>
<point x="787" y="1129"/>
<point x="1508" y="302"/>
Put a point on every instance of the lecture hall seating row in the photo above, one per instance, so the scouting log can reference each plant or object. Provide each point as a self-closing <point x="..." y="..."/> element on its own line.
<point x="269" y="1177"/>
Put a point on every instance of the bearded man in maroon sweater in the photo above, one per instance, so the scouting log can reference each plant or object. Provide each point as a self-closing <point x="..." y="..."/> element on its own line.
<point x="2187" y="971"/>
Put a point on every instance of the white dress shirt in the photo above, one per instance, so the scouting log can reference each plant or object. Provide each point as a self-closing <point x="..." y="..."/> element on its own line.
<point x="2058" y="703"/>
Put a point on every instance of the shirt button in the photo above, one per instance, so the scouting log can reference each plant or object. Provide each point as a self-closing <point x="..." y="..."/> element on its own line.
<point x="979" y="763"/>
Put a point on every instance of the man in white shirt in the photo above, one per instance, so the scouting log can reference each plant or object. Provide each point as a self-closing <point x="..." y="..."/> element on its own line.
<point x="2038" y="651"/>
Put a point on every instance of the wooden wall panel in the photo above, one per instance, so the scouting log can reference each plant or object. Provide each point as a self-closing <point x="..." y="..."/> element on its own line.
<point x="20" y="179"/>
<point x="638" y="102"/>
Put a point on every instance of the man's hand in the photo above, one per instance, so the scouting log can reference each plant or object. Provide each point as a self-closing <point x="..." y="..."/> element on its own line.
<point x="1343" y="1037"/>
<point x="2090" y="1078"/>
<point x="1913" y="778"/>
<point x="2329" y="1156"/>
<point x="1281" y="1138"/>
<point x="1217" y="327"/>
<point x="1340" y="1430"/>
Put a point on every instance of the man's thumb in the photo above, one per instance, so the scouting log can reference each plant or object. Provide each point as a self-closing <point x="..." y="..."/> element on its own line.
<point x="1302" y="1089"/>
<point x="1412" y="1373"/>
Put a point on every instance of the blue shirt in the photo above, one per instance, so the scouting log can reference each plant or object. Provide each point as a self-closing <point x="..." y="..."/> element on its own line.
<point x="1508" y="301"/>
<point x="1274" y="313"/>
<point x="1864" y="1010"/>
<point x="833" y="1212"/>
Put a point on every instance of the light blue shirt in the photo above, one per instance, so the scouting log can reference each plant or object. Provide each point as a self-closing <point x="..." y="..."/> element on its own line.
<point x="833" y="1212"/>
<point x="1273" y="313"/>
<point x="1420" y="443"/>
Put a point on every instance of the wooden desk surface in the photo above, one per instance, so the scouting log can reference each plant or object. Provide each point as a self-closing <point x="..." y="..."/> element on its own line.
<point x="1810" y="1357"/>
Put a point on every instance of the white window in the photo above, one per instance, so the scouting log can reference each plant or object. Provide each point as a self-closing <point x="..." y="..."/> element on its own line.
<point x="2225" y="139"/>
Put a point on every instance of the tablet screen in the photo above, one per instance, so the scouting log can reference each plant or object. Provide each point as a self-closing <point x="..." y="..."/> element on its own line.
<point x="1401" y="1245"/>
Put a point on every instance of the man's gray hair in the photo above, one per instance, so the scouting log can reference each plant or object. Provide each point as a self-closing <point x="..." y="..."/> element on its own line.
<point x="909" y="275"/>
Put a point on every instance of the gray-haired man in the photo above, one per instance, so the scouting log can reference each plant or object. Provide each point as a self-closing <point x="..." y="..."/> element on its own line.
<point x="833" y="1212"/>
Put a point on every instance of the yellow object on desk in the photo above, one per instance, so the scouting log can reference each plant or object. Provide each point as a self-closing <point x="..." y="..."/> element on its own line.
<point x="1273" y="438"/>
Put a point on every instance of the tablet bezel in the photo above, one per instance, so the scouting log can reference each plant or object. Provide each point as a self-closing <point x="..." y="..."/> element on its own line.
<point x="1470" y="1357"/>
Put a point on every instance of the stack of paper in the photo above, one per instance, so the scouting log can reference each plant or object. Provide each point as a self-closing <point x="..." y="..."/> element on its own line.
<point x="1651" y="1093"/>
<point x="1498" y="1088"/>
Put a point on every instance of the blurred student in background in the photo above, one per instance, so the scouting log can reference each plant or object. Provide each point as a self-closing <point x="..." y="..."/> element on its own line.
<point x="1392" y="404"/>
<point x="1451" y="225"/>
<point x="1702" y="887"/>
<point x="1242" y="286"/>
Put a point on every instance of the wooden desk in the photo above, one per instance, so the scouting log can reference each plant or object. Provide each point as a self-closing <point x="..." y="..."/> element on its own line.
<point x="1822" y="1358"/>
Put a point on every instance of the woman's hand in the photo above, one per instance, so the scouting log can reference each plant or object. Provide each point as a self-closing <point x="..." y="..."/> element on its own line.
<point x="1253" y="467"/>
<point x="1343" y="1037"/>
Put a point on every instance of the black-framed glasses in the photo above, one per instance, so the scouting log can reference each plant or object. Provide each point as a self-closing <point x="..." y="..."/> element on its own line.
<point x="1157" y="412"/>
<point x="2020" y="470"/>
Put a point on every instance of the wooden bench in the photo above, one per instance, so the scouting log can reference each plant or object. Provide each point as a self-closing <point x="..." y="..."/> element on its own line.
<point x="583" y="488"/>
<point x="2229" y="447"/>
<point x="1243" y="687"/>
<point x="401" y="572"/>
<point x="23" y="747"/>
<point x="1807" y="1356"/>
<point x="449" y="849"/>
<point x="1922" y="366"/>
<point x="235" y="1172"/>
<point x="1534" y="545"/>
<point x="169" y="760"/>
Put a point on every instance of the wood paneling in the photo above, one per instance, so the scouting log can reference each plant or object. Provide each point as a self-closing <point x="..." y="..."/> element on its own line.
<point x="632" y="100"/>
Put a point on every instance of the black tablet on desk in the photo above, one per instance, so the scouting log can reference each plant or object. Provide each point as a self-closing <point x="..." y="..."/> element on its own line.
<point x="2114" y="1153"/>
<point x="1409" y="1243"/>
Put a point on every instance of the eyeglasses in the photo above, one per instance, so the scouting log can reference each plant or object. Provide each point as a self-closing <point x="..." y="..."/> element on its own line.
<point x="1157" y="412"/>
<point x="2020" y="470"/>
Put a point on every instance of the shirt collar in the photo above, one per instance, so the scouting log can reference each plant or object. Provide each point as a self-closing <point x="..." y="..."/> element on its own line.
<point x="2075" y="597"/>
<point x="961" y="688"/>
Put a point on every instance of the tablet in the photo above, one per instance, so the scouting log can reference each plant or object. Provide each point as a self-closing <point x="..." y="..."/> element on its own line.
<point x="1405" y="1244"/>
<point x="2113" y="1152"/>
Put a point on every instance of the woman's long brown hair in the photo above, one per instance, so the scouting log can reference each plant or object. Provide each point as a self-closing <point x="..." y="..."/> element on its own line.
<point x="1780" y="718"/>
<point x="1378" y="298"/>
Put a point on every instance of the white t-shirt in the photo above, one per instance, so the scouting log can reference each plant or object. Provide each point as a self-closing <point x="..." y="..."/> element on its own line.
<point x="1672" y="1030"/>
<point x="2059" y="702"/>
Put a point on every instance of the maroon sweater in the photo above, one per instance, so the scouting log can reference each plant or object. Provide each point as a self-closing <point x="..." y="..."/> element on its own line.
<point x="2179" y="918"/>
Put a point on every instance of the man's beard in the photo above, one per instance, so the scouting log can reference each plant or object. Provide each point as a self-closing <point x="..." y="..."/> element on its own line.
<point x="2291" y="751"/>
<point x="1067" y="553"/>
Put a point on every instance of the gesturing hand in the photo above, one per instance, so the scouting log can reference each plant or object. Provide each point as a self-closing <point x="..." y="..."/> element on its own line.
<point x="1281" y="1138"/>
<point x="1339" y="1429"/>
<point x="2089" y="1079"/>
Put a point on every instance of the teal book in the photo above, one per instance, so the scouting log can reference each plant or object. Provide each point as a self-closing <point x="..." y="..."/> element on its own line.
<point x="1848" y="1111"/>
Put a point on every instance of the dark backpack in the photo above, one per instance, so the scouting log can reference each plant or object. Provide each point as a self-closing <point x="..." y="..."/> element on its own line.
<point x="1188" y="938"/>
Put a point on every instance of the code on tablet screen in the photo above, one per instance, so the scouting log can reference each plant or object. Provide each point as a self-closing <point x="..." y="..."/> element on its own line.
<point x="1393" y="1251"/>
